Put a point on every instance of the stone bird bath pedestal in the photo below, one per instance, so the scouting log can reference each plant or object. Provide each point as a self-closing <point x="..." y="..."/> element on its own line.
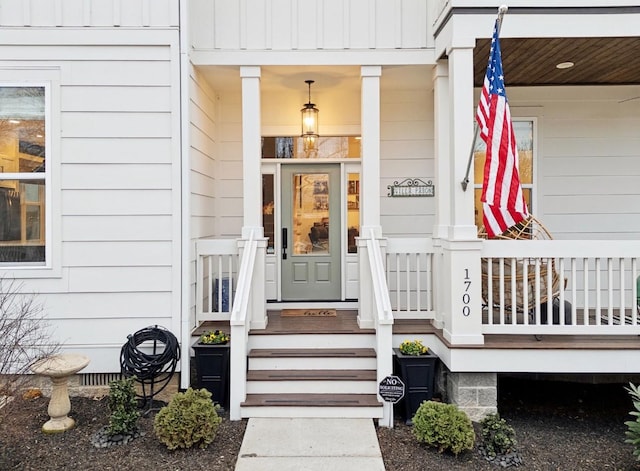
<point x="58" y="368"/>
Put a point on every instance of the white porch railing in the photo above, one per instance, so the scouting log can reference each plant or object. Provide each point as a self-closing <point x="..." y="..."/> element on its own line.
<point x="383" y="320"/>
<point x="409" y="275"/>
<point x="591" y="283"/>
<point x="216" y="266"/>
<point x="240" y="324"/>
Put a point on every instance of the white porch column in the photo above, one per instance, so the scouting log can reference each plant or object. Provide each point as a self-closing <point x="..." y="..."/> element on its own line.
<point x="251" y="151"/>
<point x="370" y="130"/>
<point x="369" y="186"/>
<point x="461" y="290"/>
<point x="442" y="130"/>
<point x="442" y="177"/>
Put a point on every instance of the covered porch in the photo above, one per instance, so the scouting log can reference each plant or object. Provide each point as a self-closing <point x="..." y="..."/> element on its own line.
<point x="421" y="271"/>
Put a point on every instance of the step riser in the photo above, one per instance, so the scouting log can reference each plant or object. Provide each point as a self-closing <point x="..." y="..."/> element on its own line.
<point x="315" y="412"/>
<point x="312" y="341"/>
<point x="332" y="363"/>
<point x="318" y="387"/>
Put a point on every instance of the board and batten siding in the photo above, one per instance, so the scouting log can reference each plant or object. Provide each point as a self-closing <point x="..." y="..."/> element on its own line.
<point x="74" y="13"/>
<point x="115" y="176"/>
<point x="588" y="165"/>
<point x="311" y="24"/>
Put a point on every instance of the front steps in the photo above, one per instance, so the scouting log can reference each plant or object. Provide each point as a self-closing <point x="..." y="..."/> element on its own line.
<point x="323" y="368"/>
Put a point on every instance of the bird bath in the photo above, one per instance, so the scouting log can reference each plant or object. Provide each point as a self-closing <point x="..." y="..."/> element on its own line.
<point x="58" y="368"/>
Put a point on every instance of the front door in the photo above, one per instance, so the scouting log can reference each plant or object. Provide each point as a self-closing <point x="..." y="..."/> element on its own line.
<point x="311" y="232"/>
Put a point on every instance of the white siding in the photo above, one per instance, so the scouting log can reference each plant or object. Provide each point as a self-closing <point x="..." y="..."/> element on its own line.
<point x="588" y="160"/>
<point x="406" y="151"/>
<point x="310" y="24"/>
<point x="128" y="13"/>
<point x="115" y="161"/>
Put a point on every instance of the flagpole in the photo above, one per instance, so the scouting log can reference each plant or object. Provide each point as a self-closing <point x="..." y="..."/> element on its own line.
<point x="501" y="11"/>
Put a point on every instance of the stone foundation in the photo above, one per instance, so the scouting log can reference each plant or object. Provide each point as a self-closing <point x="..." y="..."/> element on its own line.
<point x="474" y="393"/>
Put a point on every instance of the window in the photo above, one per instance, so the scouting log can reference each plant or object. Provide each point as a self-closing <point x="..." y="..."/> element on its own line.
<point x="524" y="131"/>
<point x="23" y="174"/>
<point x="332" y="147"/>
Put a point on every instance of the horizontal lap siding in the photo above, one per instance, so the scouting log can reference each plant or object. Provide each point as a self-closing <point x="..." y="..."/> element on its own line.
<point x="588" y="165"/>
<point x="406" y="151"/>
<point x="116" y="185"/>
<point x="203" y="178"/>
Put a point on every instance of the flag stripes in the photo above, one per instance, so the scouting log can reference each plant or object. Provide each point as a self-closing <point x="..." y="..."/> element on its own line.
<point x="502" y="197"/>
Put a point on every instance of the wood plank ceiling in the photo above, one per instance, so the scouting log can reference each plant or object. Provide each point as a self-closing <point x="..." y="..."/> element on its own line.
<point x="532" y="61"/>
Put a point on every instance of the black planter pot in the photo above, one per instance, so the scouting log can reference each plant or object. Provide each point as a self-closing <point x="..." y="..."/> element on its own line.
<point x="212" y="370"/>
<point x="418" y="374"/>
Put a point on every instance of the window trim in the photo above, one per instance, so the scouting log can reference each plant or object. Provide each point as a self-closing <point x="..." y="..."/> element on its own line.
<point x="534" y="171"/>
<point x="51" y="266"/>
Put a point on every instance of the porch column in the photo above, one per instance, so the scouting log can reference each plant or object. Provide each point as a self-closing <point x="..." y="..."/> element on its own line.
<point x="251" y="152"/>
<point x="461" y="289"/>
<point x="370" y="131"/>
<point x="442" y="177"/>
<point x="369" y="186"/>
<point x="252" y="190"/>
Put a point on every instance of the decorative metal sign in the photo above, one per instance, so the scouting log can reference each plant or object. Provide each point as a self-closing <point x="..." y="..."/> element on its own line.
<point x="412" y="187"/>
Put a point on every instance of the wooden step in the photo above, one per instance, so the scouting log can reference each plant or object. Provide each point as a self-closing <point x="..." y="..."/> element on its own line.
<point x="312" y="353"/>
<point x="311" y="375"/>
<point x="311" y="400"/>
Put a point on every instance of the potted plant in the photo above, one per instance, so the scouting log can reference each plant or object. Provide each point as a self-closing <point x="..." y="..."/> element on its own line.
<point x="212" y="364"/>
<point x="415" y="365"/>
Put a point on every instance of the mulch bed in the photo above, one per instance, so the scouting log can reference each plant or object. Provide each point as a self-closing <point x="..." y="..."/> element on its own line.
<point x="559" y="426"/>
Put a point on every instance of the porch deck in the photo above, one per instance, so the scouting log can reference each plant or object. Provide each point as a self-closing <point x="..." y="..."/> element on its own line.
<point x="346" y="322"/>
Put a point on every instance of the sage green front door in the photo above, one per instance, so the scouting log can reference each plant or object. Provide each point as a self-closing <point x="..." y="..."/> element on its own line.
<point x="311" y="232"/>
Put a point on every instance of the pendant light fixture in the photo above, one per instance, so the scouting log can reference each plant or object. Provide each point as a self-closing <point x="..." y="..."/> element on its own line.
<point x="309" y="122"/>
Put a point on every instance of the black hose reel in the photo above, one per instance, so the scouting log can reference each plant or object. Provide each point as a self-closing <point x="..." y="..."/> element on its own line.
<point x="150" y="355"/>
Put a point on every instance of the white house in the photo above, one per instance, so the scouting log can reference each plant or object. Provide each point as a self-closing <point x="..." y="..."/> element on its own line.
<point x="152" y="164"/>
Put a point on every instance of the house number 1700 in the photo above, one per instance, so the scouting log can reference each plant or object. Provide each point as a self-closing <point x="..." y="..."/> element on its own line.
<point x="466" y="297"/>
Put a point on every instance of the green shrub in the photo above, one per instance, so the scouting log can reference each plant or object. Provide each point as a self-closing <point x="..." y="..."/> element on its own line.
<point x="498" y="437"/>
<point x="189" y="419"/>
<point x="633" y="426"/>
<point x="123" y="407"/>
<point x="443" y="426"/>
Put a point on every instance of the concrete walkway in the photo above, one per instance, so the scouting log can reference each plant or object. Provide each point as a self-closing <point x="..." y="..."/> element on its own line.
<point x="310" y="445"/>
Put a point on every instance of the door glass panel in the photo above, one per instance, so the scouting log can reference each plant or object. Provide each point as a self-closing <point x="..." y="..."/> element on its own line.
<point x="353" y="211"/>
<point x="268" y="204"/>
<point x="310" y="213"/>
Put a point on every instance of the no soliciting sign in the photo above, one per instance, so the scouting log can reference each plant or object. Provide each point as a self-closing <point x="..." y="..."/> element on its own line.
<point x="391" y="389"/>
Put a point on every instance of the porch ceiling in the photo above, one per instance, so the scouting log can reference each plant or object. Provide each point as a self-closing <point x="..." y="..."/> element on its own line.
<point x="532" y="61"/>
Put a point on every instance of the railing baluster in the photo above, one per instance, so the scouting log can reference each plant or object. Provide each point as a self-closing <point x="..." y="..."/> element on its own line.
<point x="407" y="259"/>
<point x="501" y="286"/>
<point x="549" y="281"/>
<point x="230" y="276"/>
<point x="210" y="283"/>
<point x="514" y="291"/>
<point x="598" y="287"/>
<point x="635" y="305"/>
<point x="610" y="291"/>
<point x="525" y="290"/>
<point x="536" y="303"/>
<point x="418" y="285"/>
<point x="585" y="290"/>
<point x="561" y="288"/>
<point x="398" y="303"/>
<point x="623" y="314"/>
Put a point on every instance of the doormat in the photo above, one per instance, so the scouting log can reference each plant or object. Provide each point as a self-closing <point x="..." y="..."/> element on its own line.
<point x="308" y="313"/>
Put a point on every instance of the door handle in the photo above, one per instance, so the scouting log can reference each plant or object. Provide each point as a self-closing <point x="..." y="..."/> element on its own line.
<point x="284" y="243"/>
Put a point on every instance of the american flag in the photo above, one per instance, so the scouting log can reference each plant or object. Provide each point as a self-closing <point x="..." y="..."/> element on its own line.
<point x="503" y="204"/>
